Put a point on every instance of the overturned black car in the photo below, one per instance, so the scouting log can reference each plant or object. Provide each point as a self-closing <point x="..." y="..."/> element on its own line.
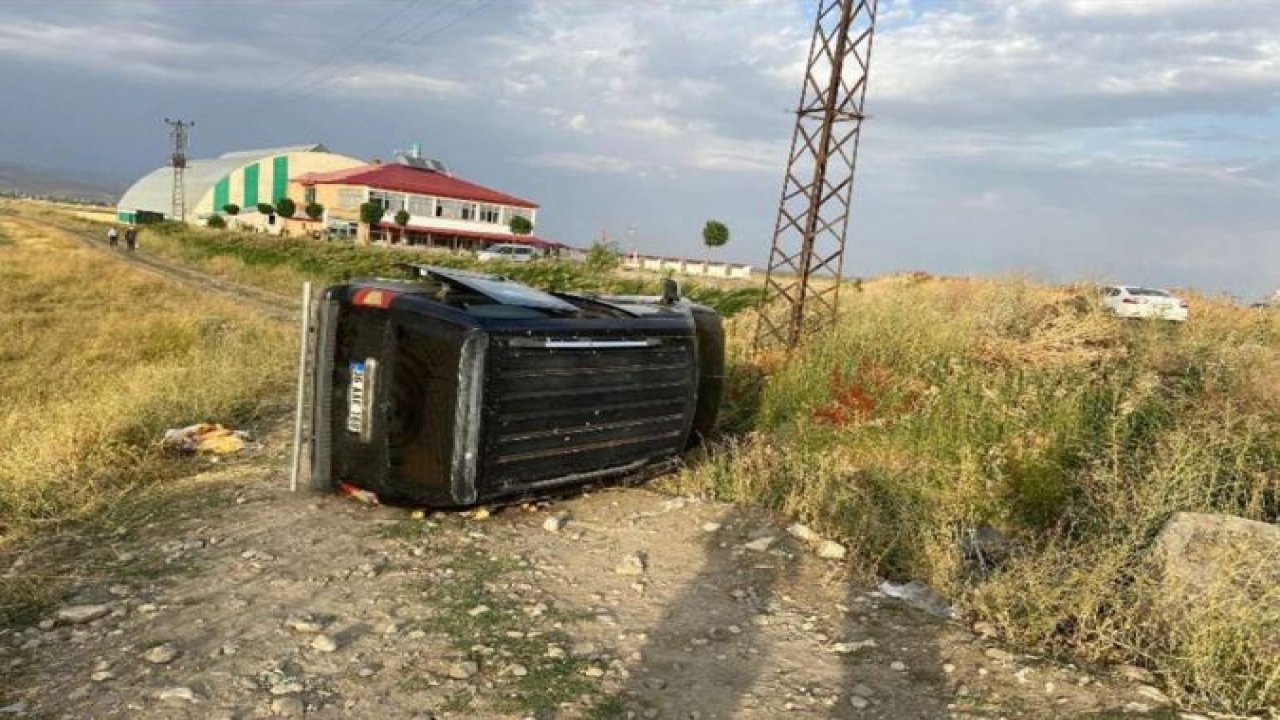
<point x="456" y="388"/>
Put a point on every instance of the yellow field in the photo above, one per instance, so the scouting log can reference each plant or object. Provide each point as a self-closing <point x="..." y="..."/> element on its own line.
<point x="98" y="358"/>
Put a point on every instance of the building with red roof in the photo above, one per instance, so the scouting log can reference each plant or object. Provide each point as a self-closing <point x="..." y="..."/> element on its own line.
<point x="444" y="210"/>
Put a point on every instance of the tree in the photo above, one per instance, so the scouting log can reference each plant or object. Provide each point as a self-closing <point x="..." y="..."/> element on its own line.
<point x="231" y="209"/>
<point x="715" y="233"/>
<point x="520" y="225"/>
<point x="266" y="209"/>
<point x="602" y="257"/>
<point x="370" y="214"/>
<point x="314" y="210"/>
<point x="286" y="207"/>
<point x="402" y="219"/>
<point x="216" y="222"/>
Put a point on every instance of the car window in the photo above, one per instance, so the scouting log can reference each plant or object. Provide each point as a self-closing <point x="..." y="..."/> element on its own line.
<point x="1148" y="292"/>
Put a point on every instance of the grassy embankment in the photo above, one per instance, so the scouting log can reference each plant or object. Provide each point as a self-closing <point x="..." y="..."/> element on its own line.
<point x="282" y="264"/>
<point x="97" y="359"/>
<point x="940" y="406"/>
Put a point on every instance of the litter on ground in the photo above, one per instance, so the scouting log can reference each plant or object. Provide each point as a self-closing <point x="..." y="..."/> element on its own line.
<point x="209" y="438"/>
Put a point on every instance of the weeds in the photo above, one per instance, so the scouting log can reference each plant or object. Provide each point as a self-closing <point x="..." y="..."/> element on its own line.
<point x="940" y="406"/>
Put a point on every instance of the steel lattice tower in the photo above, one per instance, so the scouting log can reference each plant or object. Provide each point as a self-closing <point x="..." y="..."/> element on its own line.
<point x="803" y="280"/>
<point x="179" y="163"/>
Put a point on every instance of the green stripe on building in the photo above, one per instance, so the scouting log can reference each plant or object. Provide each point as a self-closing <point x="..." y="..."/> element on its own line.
<point x="250" y="186"/>
<point x="279" y="177"/>
<point x="127" y="217"/>
<point x="221" y="194"/>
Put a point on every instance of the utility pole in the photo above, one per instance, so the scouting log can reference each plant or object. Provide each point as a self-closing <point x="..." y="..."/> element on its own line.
<point x="803" y="280"/>
<point x="178" y="131"/>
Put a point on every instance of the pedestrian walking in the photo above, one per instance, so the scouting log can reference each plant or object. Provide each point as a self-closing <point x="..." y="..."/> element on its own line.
<point x="113" y="237"/>
<point x="131" y="238"/>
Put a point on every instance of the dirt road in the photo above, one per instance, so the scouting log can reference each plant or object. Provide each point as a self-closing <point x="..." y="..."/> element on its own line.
<point x="241" y="600"/>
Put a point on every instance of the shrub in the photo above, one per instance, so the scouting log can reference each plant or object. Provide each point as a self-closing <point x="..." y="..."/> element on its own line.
<point x="520" y="225"/>
<point x="231" y="209"/>
<point x="402" y="218"/>
<point x="286" y="207"/>
<point x="371" y="213"/>
<point x="216" y="222"/>
<point x="266" y="208"/>
<point x="314" y="210"/>
<point x="602" y="257"/>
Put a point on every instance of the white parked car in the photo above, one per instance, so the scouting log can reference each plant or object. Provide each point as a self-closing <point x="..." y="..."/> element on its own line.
<point x="508" y="252"/>
<point x="1128" y="301"/>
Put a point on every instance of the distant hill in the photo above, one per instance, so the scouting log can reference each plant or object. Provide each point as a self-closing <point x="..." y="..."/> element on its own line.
<point x="55" y="184"/>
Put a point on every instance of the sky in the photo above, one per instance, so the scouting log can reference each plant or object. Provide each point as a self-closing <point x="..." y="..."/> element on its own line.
<point x="1130" y="141"/>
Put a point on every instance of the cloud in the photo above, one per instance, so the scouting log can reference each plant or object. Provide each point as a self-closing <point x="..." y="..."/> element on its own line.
<point x="586" y="163"/>
<point x="395" y="83"/>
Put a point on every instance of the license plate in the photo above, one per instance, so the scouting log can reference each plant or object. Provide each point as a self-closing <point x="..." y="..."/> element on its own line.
<point x="356" y="399"/>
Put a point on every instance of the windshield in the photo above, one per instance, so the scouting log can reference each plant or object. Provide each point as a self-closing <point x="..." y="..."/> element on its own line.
<point x="1148" y="292"/>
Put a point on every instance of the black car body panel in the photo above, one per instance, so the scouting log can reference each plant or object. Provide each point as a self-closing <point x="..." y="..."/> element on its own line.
<point x="457" y="388"/>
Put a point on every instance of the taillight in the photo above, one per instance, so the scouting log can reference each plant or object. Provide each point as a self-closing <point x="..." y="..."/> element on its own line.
<point x="1184" y="304"/>
<point x="373" y="298"/>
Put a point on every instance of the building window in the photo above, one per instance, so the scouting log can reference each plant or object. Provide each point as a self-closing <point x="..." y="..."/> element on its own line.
<point x="455" y="210"/>
<point x="309" y="195"/>
<point x="468" y="211"/>
<point x="419" y="205"/>
<point x="490" y="214"/>
<point x="391" y="202"/>
<point x="349" y="199"/>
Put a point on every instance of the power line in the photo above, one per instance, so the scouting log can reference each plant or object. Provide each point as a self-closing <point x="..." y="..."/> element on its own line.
<point x="346" y="48"/>
<point x="313" y="87"/>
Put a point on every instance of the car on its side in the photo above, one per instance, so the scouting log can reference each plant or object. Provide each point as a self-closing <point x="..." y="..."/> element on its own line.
<point x="507" y="252"/>
<point x="1132" y="301"/>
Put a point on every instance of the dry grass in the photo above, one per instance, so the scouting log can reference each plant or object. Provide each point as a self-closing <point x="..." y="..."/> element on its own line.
<point x="98" y="359"/>
<point x="939" y="406"/>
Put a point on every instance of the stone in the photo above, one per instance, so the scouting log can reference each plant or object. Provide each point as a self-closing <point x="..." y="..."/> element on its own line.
<point x="554" y="523"/>
<point x="918" y="595"/>
<point x="287" y="706"/>
<point x="306" y="627"/>
<point x="1202" y="553"/>
<point x="846" y="648"/>
<point x="710" y="527"/>
<point x="984" y="547"/>
<point x="861" y="690"/>
<point x="79" y="614"/>
<point x="948" y="668"/>
<point x="18" y="708"/>
<point x="631" y="565"/>
<point x="478" y="610"/>
<point x="831" y="550"/>
<point x="161" y="654"/>
<point x="463" y="670"/>
<point x="519" y="670"/>
<point x="986" y="630"/>
<point x="102" y="676"/>
<point x="1153" y="694"/>
<point x="858" y="702"/>
<point x="593" y="671"/>
<point x="998" y="655"/>
<point x="1135" y="674"/>
<point x="324" y="644"/>
<point x="287" y="686"/>
<point x="176" y="695"/>
<point x="804" y="533"/>
<point x="760" y="544"/>
<point x="898" y="665"/>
